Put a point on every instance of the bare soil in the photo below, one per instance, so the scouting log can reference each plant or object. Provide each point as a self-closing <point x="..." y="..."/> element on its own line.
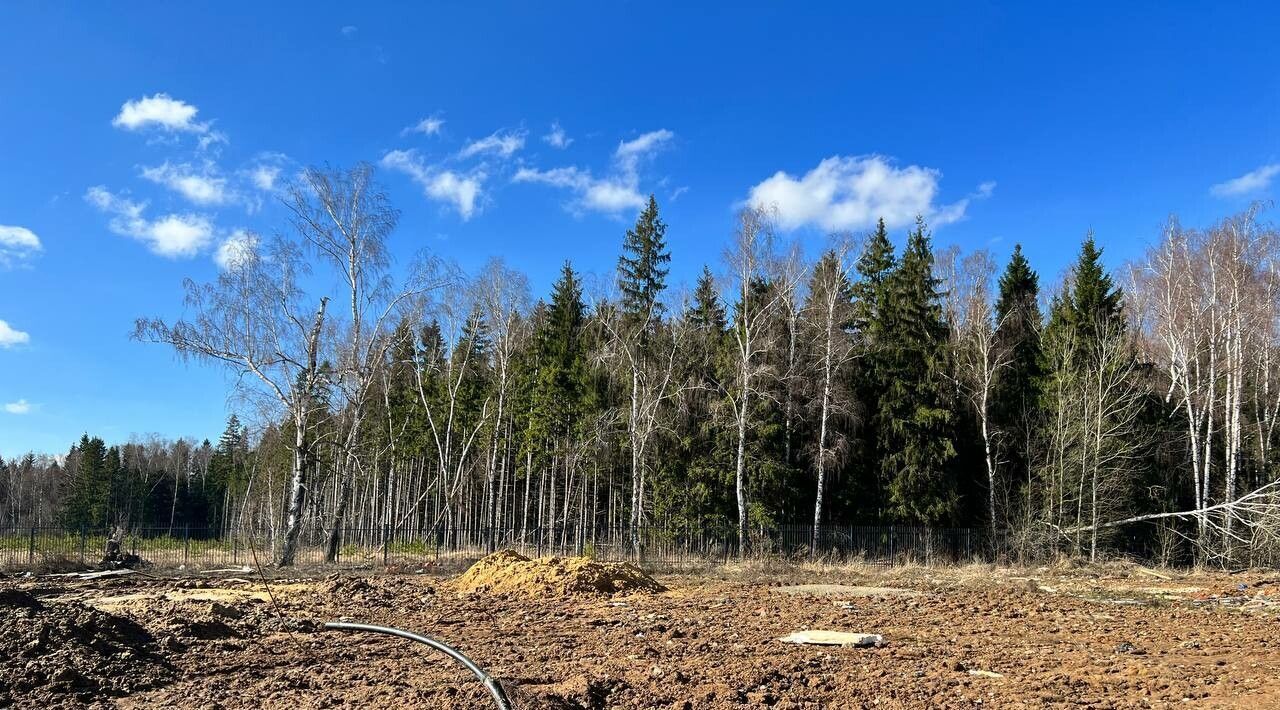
<point x="974" y="636"/>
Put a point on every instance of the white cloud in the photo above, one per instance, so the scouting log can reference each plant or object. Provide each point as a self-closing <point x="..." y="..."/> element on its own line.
<point x="234" y="249"/>
<point x="429" y="126"/>
<point x="174" y="235"/>
<point x="22" y="406"/>
<point x="349" y="30"/>
<point x="630" y="152"/>
<point x="159" y="110"/>
<point x="203" y="187"/>
<point x="264" y="177"/>
<point x="557" y="138"/>
<point x="10" y="336"/>
<point x="613" y="193"/>
<point x="853" y="192"/>
<point x="1253" y="181"/>
<point x="502" y="143"/>
<point x="17" y="244"/>
<point x="459" y="190"/>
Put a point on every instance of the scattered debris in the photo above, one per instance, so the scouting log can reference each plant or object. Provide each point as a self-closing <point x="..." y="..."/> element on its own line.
<point x="509" y="572"/>
<point x="96" y="575"/>
<point x="1128" y="648"/>
<point x="819" y="637"/>
<point x="844" y="590"/>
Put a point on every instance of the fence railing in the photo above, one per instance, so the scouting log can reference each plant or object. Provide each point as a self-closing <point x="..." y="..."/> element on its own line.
<point x="650" y="545"/>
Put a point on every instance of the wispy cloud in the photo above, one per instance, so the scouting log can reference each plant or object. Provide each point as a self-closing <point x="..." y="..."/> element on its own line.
<point x="1251" y="182"/>
<point x="159" y="111"/>
<point x="557" y="138"/>
<point x="235" y="249"/>
<point x="501" y="143"/>
<point x="173" y="235"/>
<point x="461" y="191"/>
<point x="22" y="406"/>
<point x="614" y="192"/>
<point x="349" y="30"/>
<point x="852" y="192"/>
<point x="203" y="187"/>
<point x="429" y="126"/>
<point x="10" y="336"/>
<point x="264" y="177"/>
<point x="17" y="244"/>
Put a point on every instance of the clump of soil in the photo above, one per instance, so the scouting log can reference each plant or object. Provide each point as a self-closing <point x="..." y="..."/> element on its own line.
<point x="378" y="592"/>
<point x="511" y="573"/>
<point x="55" y="652"/>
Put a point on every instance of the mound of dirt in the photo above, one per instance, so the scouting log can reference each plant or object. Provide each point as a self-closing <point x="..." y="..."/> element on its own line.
<point x="54" y="652"/>
<point x="511" y="573"/>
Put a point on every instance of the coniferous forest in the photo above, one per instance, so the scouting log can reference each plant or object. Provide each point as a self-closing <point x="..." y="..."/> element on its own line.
<point x="877" y="380"/>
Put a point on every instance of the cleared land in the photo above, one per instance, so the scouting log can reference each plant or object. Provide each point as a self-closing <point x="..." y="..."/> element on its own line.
<point x="1115" y="637"/>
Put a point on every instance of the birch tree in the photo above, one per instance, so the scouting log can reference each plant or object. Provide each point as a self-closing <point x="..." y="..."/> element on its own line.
<point x="828" y="332"/>
<point x="751" y="263"/>
<point x="256" y="321"/>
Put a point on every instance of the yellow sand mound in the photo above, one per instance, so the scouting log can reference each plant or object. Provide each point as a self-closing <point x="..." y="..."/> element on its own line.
<point x="509" y="572"/>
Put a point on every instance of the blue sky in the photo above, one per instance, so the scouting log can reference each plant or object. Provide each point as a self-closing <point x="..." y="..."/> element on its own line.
<point x="136" y="139"/>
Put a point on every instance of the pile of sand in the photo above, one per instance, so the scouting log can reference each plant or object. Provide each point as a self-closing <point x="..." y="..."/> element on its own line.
<point x="511" y="573"/>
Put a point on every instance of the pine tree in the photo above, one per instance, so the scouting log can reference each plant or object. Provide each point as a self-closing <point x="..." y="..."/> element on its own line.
<point x="1016" y="397"/>
<point x="699" y="495"/>
<point x="916" y="413"/>
<point x="707" y="314"/>
<point x="561" y="375"/>
<point x="88" y="493"/>
<point x="642" y="270"/>
<point x="871" y="324"/>
<point x="1095" y="303"/>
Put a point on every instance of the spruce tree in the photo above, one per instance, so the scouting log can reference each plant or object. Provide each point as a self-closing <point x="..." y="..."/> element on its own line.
<point x="642" y="267"/>
<point x="1094" y="301"/>
<point x="701" y="494"/>
<point x="562" y="358"/>
<point x="917" y="412"/>
<point x="1015" y="409"/>
<point x="870" y="321"/>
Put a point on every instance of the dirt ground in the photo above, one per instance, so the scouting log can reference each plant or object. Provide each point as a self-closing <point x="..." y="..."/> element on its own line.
<point x="1105" y="637"/>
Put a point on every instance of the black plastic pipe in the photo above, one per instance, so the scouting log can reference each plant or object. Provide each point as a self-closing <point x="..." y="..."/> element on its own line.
<point x="491" y="684"/>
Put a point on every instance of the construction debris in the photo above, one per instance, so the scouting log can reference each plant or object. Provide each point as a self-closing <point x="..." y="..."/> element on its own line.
<point x="819" y="637"/>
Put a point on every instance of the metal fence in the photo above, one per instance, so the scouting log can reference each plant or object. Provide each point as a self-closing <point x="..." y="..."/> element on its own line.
<point x="655" y="546"/>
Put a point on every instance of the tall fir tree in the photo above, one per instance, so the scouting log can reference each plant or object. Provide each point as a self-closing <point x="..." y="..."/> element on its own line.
<point x="1095" y="303"/>
<point x="1015" y="405"/>
<point x="562" y="371"/>
<point x="866" y="491"/>
<point x="916" y="416"/>
<point x="642" y="267"/>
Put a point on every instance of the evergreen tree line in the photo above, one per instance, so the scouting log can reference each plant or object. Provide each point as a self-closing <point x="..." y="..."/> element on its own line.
<point x="171" y="486"/>
<point x="1131" y="411"/>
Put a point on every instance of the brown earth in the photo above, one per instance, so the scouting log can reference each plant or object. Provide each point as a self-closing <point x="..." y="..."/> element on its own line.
<point x="978" y="636"/>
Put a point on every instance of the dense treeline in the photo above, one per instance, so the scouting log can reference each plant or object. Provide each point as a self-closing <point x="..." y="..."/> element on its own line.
<point x="869" y="385"/>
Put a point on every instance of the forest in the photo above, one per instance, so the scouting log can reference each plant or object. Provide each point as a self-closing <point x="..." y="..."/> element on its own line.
<point x="877" y="381"/>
